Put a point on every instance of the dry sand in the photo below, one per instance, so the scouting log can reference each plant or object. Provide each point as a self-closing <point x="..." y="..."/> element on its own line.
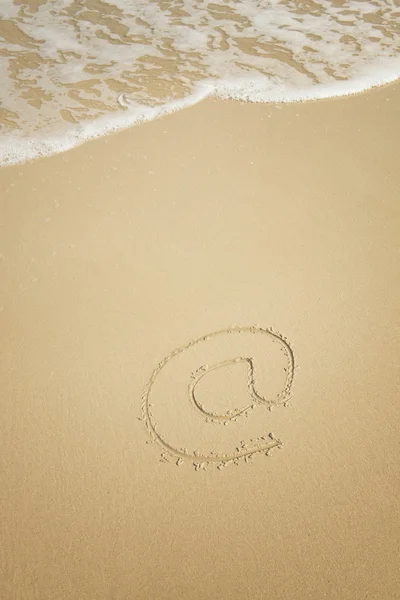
<point x="120" y="251"/>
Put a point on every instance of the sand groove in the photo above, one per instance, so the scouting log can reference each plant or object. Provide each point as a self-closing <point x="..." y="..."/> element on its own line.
<point x="244" y="450"/>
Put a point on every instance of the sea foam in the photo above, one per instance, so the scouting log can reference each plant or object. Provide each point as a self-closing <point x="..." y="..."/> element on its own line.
<point x="72" y="71"/>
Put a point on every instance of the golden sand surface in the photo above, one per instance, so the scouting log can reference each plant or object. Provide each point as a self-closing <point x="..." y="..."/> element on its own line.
<point x="140" y="277"/>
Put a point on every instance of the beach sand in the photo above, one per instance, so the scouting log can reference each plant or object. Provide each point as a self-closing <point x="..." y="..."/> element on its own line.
<point x="221" y="216"/>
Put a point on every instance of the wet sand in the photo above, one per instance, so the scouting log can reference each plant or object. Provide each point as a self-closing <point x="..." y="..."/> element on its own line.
<point x="113" y="255"/>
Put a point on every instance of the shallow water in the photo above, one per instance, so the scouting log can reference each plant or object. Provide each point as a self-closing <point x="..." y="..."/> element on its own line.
<point x="73" y="70"/>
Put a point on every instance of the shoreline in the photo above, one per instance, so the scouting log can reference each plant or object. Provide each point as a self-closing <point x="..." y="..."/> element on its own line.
<point x="35" y="148"/>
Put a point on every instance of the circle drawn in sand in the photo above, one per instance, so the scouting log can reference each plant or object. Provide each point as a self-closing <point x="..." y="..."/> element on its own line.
<point x="243" y="450"/>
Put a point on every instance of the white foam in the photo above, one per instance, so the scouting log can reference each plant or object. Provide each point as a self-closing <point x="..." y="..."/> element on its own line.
<point x="15" y="151"/>
<point x="253" y="50"/>
<point x="259" y="90"/>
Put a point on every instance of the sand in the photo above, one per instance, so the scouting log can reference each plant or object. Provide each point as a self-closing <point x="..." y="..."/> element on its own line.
<point x="221" y="217"/>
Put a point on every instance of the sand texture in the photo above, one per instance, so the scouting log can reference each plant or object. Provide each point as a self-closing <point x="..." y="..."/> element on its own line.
<point x="199" y="359"/>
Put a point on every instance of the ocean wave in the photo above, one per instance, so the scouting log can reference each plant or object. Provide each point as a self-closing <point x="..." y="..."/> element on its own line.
<point x="72" y="71"/>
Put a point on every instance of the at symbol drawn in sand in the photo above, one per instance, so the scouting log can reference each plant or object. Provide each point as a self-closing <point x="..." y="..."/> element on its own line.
<point x="172" y="400"/>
